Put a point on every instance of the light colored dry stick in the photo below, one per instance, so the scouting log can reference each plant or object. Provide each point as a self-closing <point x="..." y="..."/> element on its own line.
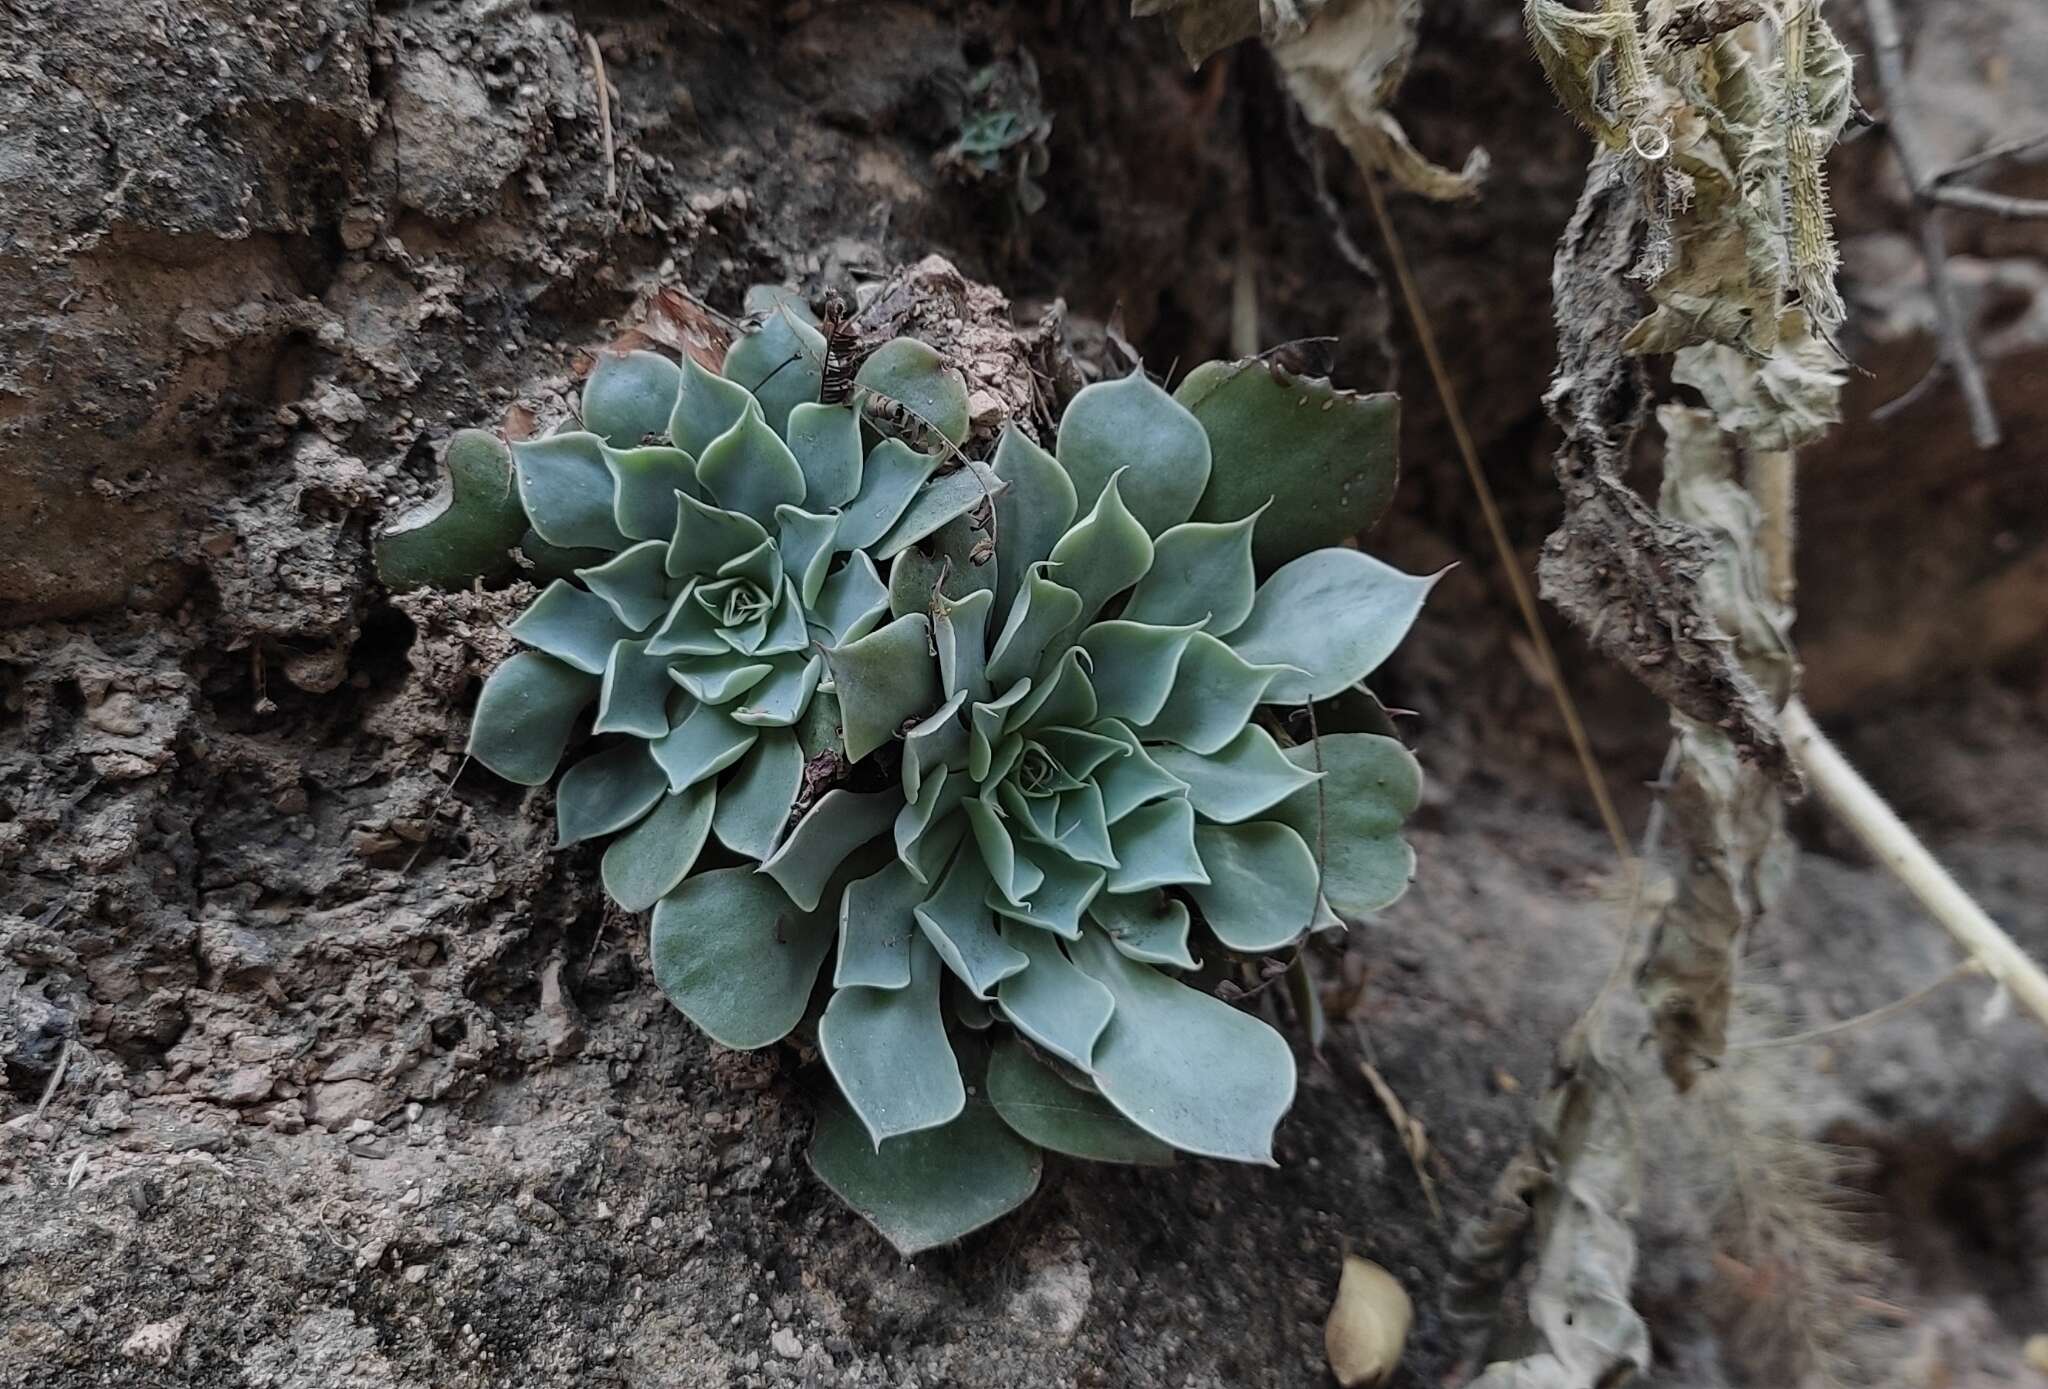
<point x="56" y="1079"/>
<point x="1901" y="1004"/>
<point x="1885" y="835"/>
<point x="604" y="118"/>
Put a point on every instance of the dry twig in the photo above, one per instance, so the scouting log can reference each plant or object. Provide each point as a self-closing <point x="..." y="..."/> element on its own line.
<point x="604" y="118"/>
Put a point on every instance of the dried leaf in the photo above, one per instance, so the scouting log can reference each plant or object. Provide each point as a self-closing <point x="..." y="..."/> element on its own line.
<point x="1785" y="401"/>
<point x="1367" y="1326"/>
<point x="1414" y="1138"/>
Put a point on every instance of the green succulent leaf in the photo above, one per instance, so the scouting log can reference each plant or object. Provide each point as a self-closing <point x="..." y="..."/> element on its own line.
<point x="1370" y="786"/>
<point x="887" y="1048"/>
<point x="928" y="1188"/>
<point x="948" y="563"/>
<point x="1133" y="779"/>
<point x="784" y="696"/>
<point x="1249" y="774"/>
<point x="909" y="374"/>
<point x="1035" y="509"/>
<point x="957" y="921"/>
<point x="643" y="865"/>
<point x="877" y="930"/>
<point x="946" y="497"/>
<point x="1134" y="428"/>
<point x="1214" y="692"/>
<point x="732" y="953"/>
<point x="1134" y="667"/>
<point x="1155" y="847"/>
<point x="571" y="624"/>
<point x="926" y="830"/>
<point x="750" y="470"/>
<point x="825" y="441"/>
<point x="629" y="395"/>
<point x="960" y="632"/>
<point x="1105" y="553"/>
<point x="837" y="825"/>
<point x="1015" y="880"/>
<point x="889" y="480"/>
<point x="754" y="805"/>
<point x="1262" y="892"/>
<point x="851" y="601"/>
<point x="762" y="300"/>
<point x="934" y="743"/>
<point x="633" y="583"/>
<point x="704" y="743"/>
<point x="719" y="679"/>
<point x="1053" y="1003"/>
<point x="708" y="538"/>
<point x="1334" y="614"/>
<point x="706" y="407"/>
<point x="606" y="792"/>
<point x="467" y="530"/>
<point x="635" y="693"/>
<point x="1325" y="459"/>
<point x="782" y="363"/>
<point x="1148" y="927"/>
<point x="883" y="680"/>
<point x="566" y="487"/>
<point x="1186" y="1068"/>
<point x="1063" y="894"/>
<point x="804" y="543"/>
<point x="1043" y="611"/>
<point x="524" y="716"/>
<point x="1201" y="573"/>
<point x="644" y="486"/>
<point x="1046" y="1109"/>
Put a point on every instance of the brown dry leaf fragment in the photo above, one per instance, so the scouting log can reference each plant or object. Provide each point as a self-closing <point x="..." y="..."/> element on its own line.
<point x="1414" y="1138"/>
<point x="1785" y="401"/>
<point x="675" y="320"/>
<point x="1368" y="1325"/>
<point x="518" y="423"/>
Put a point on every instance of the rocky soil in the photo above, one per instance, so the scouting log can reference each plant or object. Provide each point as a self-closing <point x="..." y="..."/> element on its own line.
<point x="319" y="1074"/>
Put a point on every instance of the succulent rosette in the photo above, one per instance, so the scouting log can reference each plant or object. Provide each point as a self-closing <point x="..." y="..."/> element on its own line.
<point x="1006" y="743"/>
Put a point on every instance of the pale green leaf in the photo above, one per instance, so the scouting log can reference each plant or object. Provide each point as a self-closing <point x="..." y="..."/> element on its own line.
<point x="1134" y="428"/>
<point x="1132" y="780"/>
<point x="1148" y="927"/>
<point x="566" y="488"/>
<point x="1214" y="693"/>
<point x="883" y="680"/>
<point x="1057" y="903"/>
<point x="748" y="469"/>
<point x="877" y="930"/>
<point x="704" y="743"/>
<point x="708" y="538"/>
<point x="946" y="497"/>
<point x="1247" y="775"/>
<point x="644" y="486"/>
<point x="1335" y="614"/>
<point x="837" y="825"/>
<point x="1370" y="786"/>
<point x="634" y="696"/>
<point x="781" y="699"/>
<point x="571" y="624"/>
<point x="718" y="679"/>
<point x="1262" y="888"/>
<point x="629" y="395"/>
<point x="1201" y="573"/>
<point x="1134" y="665"/>
<point x="606" y="792"/>
<point x="927" y="1188"/>
<point x="633" y="583"/>
<point x="852" y="600"/>
<point x="467" y="530"/>
<point x="1042" y="612"/>
<point x="644" y="864"/>
<point x="891" y="477"/>
<point x="754" y="803"/>
<point x="804" y="543"/>
<point x="909" y="375"/>
<point x="524" y="716"/>
<point x="960" y="632"/>
<point x="1155" y="847"/>
<point x="887" y="1048"/>
<point x="1033" y="512"/>
<point x="1049" y="1111"/>
<point x="1105" y="553"/>
<point x="706" y="407"/>
<point x="782" y="362"/>
<point x="825" y="441"/>
<point x="1051" y="1002"/>
<point x="957" y="921"/>
<point x="732" y="953"/>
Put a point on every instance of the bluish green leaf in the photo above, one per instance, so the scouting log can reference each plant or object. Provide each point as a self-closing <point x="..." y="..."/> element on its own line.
<point x="909" y="375"/>
<point x="957" y="921"/>
<point x="689" y="629"/>
<point x="1370" y="786"/>
<point x="566" y="488"/>
<point x="1201" y="573"/>
<point x="633" y="584"/>
<point x="788" y="633"/>
<point x="877" y="930"/>
<point x="704" y="743"/>
<point x="1186" y="1068"/>
<point x="467" y="530"/>
<point x="748" y="469"/>
<point x="572" y="625"/>
<point x="960" y="632"/>
<point x="1148" y="927"/>
<point x="754" y="804"/>
<point x="644" y="486"/>
<point x="927" y="1188"/>
<point x="1132" y="780"/>
<point x="634" y="696"/>
<point x="1032" y="514"/>
<point x="629" y="395"/>
<point x="739" y="961"/>
<point x="524" y="716"/>
<point x="643" y="865"/>
<point x="825" y="440"/>
<point x="707" y="538"/>
<point x="1214" y="693"/>
<point x="926" y="829"/>
<point x="606" y="791"/>
<point x="781" y="699"/>
<point x="1059" y="900"/>
<point x="1105" y="553"/>
<point x="706" y="407"/>
<point x="948" y="563"/>
<point x="1064" y="699"/>
<point x="837" y="825"/>
<point x="852" y="600"/>
<point x="1015" y="880"/>
<point x="804" y="542"/>
<point x="1325" y="458"/>
<point x="1053" y="1003"/>
<point x="945" y="497"/>
<point x="939" y="740"/>
<point x="883" y="680"/>
<point x="1043" y="611"/>
<point x="1336" y="614"/>
<point x="887" y="1048"/>
<point x="782" y="362"/>
<point x="762" y="300"/>
<point x="1262" y="889"/>
<point x="718" y="679"/>
<point x="986" y="721"/>
<point x="1134" y="666"/>
<point x="1247" y="775"/>
<point x="891" y="477"/>
<point x="1155" y="847"/>
<point x="1044" y="1108"/>
<point x="1113" y="426"/>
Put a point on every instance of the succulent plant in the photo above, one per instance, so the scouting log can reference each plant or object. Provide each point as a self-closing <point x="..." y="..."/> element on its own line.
<point x="1024" y="781"/>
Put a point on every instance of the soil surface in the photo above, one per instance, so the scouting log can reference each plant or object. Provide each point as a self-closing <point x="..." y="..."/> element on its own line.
<point x="320" y="1073"/>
